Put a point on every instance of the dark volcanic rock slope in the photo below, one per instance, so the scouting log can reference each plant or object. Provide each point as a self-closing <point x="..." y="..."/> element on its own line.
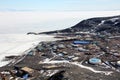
<point x="108" y="24"/>
<point x="100" y="24"/>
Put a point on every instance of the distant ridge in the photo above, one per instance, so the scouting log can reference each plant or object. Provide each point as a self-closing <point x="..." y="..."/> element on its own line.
<point x="96" y="25"/>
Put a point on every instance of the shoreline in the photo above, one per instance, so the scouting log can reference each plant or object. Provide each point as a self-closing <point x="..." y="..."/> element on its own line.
<point x="7" y="61"/>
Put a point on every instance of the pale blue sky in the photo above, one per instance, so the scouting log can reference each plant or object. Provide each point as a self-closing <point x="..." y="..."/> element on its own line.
<point x="59" y="5"/>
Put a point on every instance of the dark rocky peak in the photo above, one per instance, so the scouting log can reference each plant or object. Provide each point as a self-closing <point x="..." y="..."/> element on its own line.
<point x="100" y="24"/>
<point x="97" y="25"/>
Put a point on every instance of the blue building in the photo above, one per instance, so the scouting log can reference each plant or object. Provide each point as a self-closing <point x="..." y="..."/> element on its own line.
<point x="82" y="42"/>
<point x="95" y="61"/>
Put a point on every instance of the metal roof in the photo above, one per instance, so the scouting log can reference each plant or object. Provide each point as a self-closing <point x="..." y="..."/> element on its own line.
<point x="81" y="42"/>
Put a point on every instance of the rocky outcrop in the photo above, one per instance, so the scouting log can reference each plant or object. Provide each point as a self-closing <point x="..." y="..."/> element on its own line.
<point x="97" y="25"/>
